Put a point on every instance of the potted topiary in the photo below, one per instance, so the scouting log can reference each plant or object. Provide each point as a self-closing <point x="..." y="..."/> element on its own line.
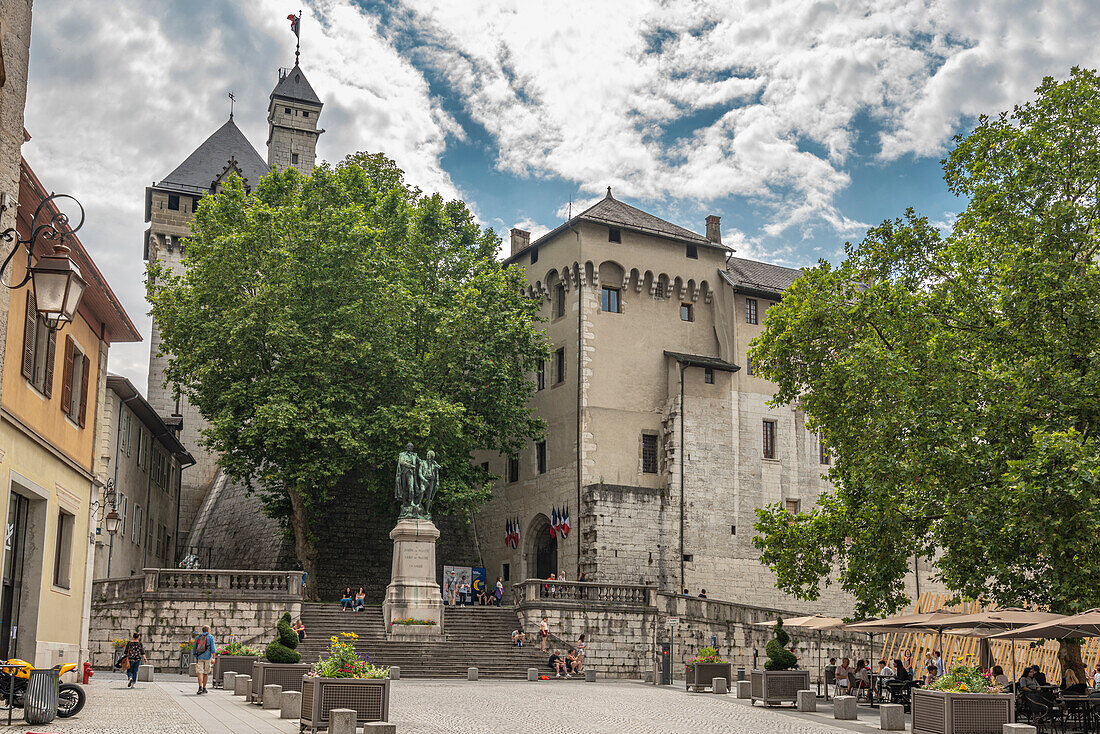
<point x="778" y="682"/>
<point x="233" y="657"/>
<point x="344" y="680"/>
<point x="282" y="666"/>
<point x="963" y="701"/>
<point x="707" y="665"/>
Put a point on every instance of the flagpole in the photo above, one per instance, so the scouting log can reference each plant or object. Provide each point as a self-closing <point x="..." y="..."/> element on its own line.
<point x="298" y="37"/>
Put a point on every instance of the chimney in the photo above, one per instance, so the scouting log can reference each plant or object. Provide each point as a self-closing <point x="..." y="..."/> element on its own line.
<point x="521" y="238"/>
<point x="714" y="229"/>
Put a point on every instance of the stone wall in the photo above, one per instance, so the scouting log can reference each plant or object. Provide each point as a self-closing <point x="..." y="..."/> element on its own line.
<point x="166" y="616"/>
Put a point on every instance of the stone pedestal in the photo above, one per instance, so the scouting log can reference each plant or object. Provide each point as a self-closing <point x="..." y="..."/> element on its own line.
<point x="844" y="708"/>
<point x="290" y="705"/>
<point x="891" y="717"/>
<point x="413" y="591"/>
<point x="718" y="685"/>
<point x="272" y="697"/>
<point x="145" y="673"/>
<point x="806" y="701"/>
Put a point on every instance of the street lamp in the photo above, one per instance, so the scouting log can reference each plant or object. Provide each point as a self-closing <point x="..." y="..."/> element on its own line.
<point x="112" y="521"/>
<point x="58" y="285"/>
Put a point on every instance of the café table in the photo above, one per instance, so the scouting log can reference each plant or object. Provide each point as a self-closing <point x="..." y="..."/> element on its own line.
<point x="1085" y="700"/>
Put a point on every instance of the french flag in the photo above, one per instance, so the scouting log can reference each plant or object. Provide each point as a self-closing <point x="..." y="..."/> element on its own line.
<point x="563" y="523"/>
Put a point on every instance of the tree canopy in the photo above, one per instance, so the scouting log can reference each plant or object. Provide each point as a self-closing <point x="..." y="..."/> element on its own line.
<point x="324" y="321"/>
<point x="956" y="379"/>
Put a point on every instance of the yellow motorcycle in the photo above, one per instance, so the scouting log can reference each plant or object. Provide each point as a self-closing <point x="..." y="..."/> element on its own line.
<point x="13" y="688"/>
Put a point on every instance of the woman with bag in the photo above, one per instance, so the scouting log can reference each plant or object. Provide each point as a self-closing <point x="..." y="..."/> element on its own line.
<point x="132" y="657"/>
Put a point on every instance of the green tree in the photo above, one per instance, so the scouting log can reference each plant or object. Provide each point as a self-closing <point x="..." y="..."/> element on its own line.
<point x="322" y="322"/>
<point x="956" y="380"/>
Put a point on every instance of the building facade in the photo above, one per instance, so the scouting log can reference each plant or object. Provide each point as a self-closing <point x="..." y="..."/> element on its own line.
<point x="660" y="441"/>
<point x="54" y="384"/>
<point x="293" y="115"/>
<point x="145" y="461"/>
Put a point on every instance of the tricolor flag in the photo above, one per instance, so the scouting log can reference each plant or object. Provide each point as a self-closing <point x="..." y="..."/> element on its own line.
<point x="295" y="24"/>
<point x="515" y="533"/>
<point x="554" y="526"/>
<point x="564" y="523"/>
<point x="507" y="532"/>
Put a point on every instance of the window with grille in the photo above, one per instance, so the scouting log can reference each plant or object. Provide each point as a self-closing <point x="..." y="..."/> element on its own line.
<point x="559" y="366"/>
<point x="750" y="311"/>
<point x="649" y="453"/>
<point x="749" y="366"/>
<point x="610" y="300"/>
<point x="559" y="300"/>
<point x="540" y="456"/>
<point x="769" y="439"/>
<point x="513" y="468"/>
<point x="687" y="312"/>
<point x="793" y="506"/>
<point x="823" y="452"/>
<point x="708" y="375"/>
<point x="540" y="375"/>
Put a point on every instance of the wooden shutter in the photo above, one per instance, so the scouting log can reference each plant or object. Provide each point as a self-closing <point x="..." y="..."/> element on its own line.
<point x="84" y="388"/>
<point x="30" y="336"/>
<point x="67" y="378"/>
<point x="51" y="348"/>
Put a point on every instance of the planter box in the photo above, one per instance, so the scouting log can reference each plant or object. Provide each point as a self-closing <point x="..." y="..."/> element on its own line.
<point x="287" y="675"/>
<point x="778" y="686"/>
<point x="239" y="664"/>
<point x="700" y="676"/>
<point x="368" y="697"/>
<point x="940" y="712"/>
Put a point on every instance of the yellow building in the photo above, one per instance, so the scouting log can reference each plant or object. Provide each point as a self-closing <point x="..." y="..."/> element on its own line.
<point x="54" y="385"/>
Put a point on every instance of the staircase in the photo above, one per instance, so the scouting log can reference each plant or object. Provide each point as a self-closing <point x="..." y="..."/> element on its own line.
<point x="478" y="637"/>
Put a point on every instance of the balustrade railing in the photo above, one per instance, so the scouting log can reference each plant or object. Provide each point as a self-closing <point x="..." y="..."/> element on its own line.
<point x="239" y="583"/>
<point x="533" y="591"/>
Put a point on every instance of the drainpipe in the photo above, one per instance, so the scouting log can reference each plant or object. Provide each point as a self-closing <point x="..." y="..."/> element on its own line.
<point x="580" y="405"/>
<point x="682" y="416"/>
<point x="148" y="499"/>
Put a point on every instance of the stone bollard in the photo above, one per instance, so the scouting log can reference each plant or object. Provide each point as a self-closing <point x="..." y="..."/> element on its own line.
<point x="395" y="672"/>
<point x="471" y="673"/>
<point x="744" y="689"/>
<point x="242" y="685"/>
<point x="379" y="727"/>
<point x="1017" y="729"/>
<point x="589" y="676"/>
<point x="718" y="685"/>
<point x="844" y="708"/>
<point x="891" y="717"/>
<point x="291" y="705"/>
<point x="532" y="674"/>
<point x="341" y="721"/>
<point x="806" y="701"/>
<point x="227" y="680"/>
<point x="192" y="670"/>
<point x="145" y="673"/>
<point x="648" y="676"/>
<point x="273" y="695"/>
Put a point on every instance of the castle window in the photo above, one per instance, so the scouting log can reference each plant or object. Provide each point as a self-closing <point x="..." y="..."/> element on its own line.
<point x="534" y="255"/>
<point x="540" y="456"/>
<point x="286" y="110"/>
<point x="294" y="158"/>
<point x="693" y="252"/>
<point x="513" y="468"/>
<point x="540" y="375"/>
<point x="649" y="453"/>
<point x="823" y="456"/>
<point x="614" y="234"/>
<point x="708" y="375"/>
<point x="750" y="311"/>
<point x="559" y="300"/>
<point x="769" y="439"/>
<point x="305" y="113"/>
<point x="174" y="202"/>
<point x="750" y="369"/>
<point x="559" y="366"/>
<point x="610" y="300"/>
<point x="793" y="506"/>
<point x="687" y="312"/>
<point x="195" y="205"/>
<point x="506" y="571"/>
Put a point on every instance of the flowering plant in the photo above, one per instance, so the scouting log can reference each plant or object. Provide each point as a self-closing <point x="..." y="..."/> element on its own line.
<point x="707" y="655"/>
<point x="964" y="678"/>
<point x="119" y="644"/>
<point x="236" y="647"/>
<point x="411" y="620"/>
<point x="344" y="662"/>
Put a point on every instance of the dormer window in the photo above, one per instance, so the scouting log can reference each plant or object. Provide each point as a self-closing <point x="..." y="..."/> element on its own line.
<point x="286" y="110"/>
<point x="305" y="113"/>
<point x="174" y="202"/>
<point x="614" y="234"/>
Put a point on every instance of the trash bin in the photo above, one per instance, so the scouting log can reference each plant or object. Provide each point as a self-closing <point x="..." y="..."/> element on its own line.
<point x="40" y="705"/>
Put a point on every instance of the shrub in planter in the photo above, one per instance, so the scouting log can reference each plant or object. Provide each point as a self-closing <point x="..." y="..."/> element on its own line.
<point x="281" y="649"/>
<point x="779" y="657"/>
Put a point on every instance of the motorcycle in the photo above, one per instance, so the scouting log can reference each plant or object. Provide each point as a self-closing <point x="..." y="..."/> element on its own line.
<point x="70" y="696"/>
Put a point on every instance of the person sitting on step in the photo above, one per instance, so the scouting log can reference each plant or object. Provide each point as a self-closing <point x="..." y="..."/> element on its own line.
<point x="360" y="600"/>
<point x="518" y="638"/>
<point x="557" y="665"/>
<point x="346" y="600"/>
<point x="572" y="662"/>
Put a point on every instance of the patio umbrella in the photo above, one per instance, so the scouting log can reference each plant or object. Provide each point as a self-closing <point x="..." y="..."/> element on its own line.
<point x="1086" y="624"/>
<point x="988" y="624"/>
<point x="925" y="621"/>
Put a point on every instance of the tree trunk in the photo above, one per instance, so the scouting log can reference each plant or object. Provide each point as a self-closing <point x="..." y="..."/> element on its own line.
<point x="303" y="540"/>
<point x="1069" y="657"/>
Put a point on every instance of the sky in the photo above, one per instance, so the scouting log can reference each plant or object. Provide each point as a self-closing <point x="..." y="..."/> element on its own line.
<point x="799" y="123"/>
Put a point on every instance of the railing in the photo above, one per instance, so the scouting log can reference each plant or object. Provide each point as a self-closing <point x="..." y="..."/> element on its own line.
<point x="542" y="591"/>
<point x="178" y="581"/>
<point x="122" y="589"/>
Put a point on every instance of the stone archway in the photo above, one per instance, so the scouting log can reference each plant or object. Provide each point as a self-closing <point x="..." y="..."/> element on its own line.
<point x="542" y="548"/>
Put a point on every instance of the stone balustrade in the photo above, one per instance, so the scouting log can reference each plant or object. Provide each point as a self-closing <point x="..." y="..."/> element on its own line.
<point x="541" y="592"/>
<point x="166" y="582"/>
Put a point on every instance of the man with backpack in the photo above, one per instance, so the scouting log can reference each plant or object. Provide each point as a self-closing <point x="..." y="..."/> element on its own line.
<point x="204" y="657"/>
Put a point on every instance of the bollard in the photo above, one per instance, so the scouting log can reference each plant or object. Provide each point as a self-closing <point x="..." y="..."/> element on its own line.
<point x="589" y="676"/>
<point x="290" y="705"/>
<point x="145" y="673"/>
<point x="648" y="676"/>
<point x="806" y="701"/>
<point x="740" y="674"/>
<point x="1017" y="729"/>
<point x="395" y="672"/>
<point x="471" y="673"/>
<point x="227" y="680"/>
<point x="744" y="689"/>
<point x="242" y="685"/>
<point x="532" y="674"/>
<point x="272" y="699"/>
<point x="891" y="717"/>
<point x="379" y="727"/>
<point x="844" y="708"/>
<point x="718" y="685"/>
<point x="191" y="670"/>
<point x="341" y="721"/>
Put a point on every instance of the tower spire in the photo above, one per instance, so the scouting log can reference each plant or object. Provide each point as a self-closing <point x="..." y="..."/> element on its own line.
<point x="232" y="99"/>
<point x="296" y="28"/>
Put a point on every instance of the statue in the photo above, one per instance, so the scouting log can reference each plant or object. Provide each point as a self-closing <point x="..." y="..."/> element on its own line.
<point x="428" y="477"/>
<point x="406" y="481"/>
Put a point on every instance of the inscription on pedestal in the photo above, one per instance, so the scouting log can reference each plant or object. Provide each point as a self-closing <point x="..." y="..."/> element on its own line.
<point x="416" y="560"/>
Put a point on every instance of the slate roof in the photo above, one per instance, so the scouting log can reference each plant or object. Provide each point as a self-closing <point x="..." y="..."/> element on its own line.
<point x="295" y="86"/>
<point x="751" y="276"/>
<point x="697" y="360"/>
<point x="208" y="160"/>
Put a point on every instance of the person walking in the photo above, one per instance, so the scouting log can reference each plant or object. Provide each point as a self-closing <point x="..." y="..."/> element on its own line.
<point x="449" y="586"/>
<point x="544" y="631"/>
<point x="135" y="656"/>
<point x="498" y="592"/>
<point x="204" y="657"/>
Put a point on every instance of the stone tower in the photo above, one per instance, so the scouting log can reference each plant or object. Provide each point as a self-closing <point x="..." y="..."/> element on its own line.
<point x="292" y="115"/>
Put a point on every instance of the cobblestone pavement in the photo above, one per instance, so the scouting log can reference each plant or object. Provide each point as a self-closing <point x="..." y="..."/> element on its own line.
<point x="443" y="706"/>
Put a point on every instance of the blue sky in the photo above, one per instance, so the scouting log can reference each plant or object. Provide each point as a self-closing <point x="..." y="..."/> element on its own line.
<point x="800" y="123"/>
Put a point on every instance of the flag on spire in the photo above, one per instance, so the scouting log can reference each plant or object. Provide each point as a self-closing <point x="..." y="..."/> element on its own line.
<point x="295" y="24"/>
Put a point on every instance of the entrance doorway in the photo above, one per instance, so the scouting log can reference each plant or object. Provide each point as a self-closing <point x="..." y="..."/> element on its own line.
<point x="546" y="552"/>
<point x="15" y="541"/>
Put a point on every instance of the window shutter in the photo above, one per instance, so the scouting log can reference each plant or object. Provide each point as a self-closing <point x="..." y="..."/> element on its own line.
<point x="51" y="348"/>
<point x="84" y="389"/>
<point x="67" y="378"/>
<point x="30" y="336"/>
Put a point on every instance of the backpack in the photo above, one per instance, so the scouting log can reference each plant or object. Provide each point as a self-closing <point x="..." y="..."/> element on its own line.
<point x="200" y="644"/>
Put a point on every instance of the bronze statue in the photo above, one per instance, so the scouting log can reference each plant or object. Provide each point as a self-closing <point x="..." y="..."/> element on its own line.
<point x="416" y="483"/>
<point x="428" y="476"/>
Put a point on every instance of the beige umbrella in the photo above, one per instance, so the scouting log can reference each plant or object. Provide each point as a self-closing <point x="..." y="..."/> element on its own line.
<point x="927" y="621"/>
<point x="1086" y="624"/>
<point x="988" y="624"/>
